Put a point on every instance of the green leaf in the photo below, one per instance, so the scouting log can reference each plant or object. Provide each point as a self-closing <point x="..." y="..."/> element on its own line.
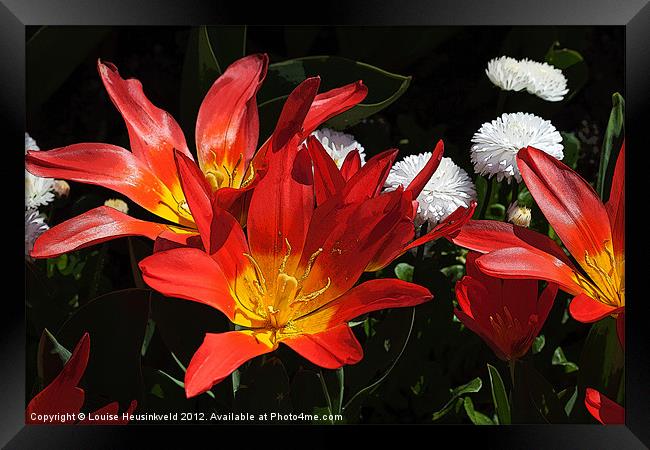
<point x="228" y="44"/>
<point x="538" y="401"/>
<point x="499" y="396"/>
<point x="568" y="396"/>
<point x="454" y="272"/>
<point x="559" y="359"/>
<point x="404" y="271"/>
<point x="538" y="344"/>
<point x="571" y="149"/>
<point x="384" y="88"/>
<point x="51" y="358"/>
<point x="562" y="58"/>
<point x="179" y="383"/>
<point x="468" y="388"/>
<point x="611" y="142"/>
<point x="476" y="417"/>
<point x="52" y="54"/>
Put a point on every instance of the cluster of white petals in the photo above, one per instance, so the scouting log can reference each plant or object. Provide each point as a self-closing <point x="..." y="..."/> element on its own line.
<point x="34" y="226"/>
<point x="38" y="191"/>
<point x="496" y="144"/>
<point x="449" y="188"/>
<point x="540" y="79"/>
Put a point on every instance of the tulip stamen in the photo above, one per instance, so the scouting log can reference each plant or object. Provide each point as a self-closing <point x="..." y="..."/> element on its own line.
<point x="250" y="175"/>
<point x="283" y="264"/>
<point x="310" y="264"/>
<point x="234" y="170"/>
<point x="261" y="281"/>
<point x="308" y="297"/>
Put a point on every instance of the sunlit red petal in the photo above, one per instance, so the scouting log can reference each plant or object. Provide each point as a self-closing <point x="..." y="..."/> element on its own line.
<point x="369" y="180"/>
<point x="616" y="204"/>
<point x="227" y="125"/>
<point x="569" y="203"/>
<point x="92" y="227"/>
<point x="423" y="177"/>
<point x="446" y="228"/>
<point x="328" y="180"/>
<point x="331" y="103"/>
<point x="351" y="164"/>
<point x="111" y="167"/>
<point x="62" y="395"/>
<point x="219" y="355"/>
<point x="154" y="134"/>
<point x="525" y="263"/>
<point x="603" y="409"/>
<point x="585" y="309"/>
<point x="330" y="349"/>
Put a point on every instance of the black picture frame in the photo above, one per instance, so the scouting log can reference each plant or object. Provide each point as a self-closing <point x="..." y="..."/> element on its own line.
<point x="633" y="14"/>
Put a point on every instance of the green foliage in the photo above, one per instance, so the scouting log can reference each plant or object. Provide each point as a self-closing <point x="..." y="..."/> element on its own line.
<point x="499" y="396"/>
<point x="404" y="271"/>
<point x="476" y="417"/>
<point x="611" y="144"/>
<point x="560" y="360"/>
<point x="468" y="388"/>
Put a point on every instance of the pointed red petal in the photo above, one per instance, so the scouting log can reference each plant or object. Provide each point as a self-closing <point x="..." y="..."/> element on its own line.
<point x="330" y="349"/>
<point x="524" y="263"/>
<point x="483" y="333"/>
<point x="227" y="125"/>
<point x="603" y="409"/>
<point x="154" y="134"/>
<point x="351" y="164"/>
<point x="331" y="103"/>
<point x="422" y="178"/>
<point x="616" y="204"/>
<point x="62" y="395"/>
<point x="569" y="203"/>
<point x="328" y="181"/>
<point x="108" y="166"/>
<point x="218" y="356"/>
<point x="93" y="227"/>
<point x="585" y="309"/>
<point x="454" y="222"/>
<point x="488" y="235"/>
<point x="369" y="181"/>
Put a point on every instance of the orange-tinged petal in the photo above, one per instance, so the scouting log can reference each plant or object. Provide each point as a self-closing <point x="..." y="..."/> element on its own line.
<point x="330" y="349"/>
<point x="154" y="134"/>
<point x="569" y="203"/>
<point x="603" y="409"/>
<point x="111" y="167"/>
<point x="220" y="354"/>
<point x="525" y="263"/>
<point x="585" y="309"/>
<point x="616" y="205"/>
<point x="227" y="126"/>
<point x="62" y="395"/>
<point x="92" y="227"/>
<point x="331" y="103"/>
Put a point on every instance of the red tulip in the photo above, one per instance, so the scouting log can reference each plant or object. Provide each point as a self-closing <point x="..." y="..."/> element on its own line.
<point x="603" y="409"/>
<point x="291" y="279"/>
<point x="591" y="231"/>
<point x="506" y="314"/>
<point x="349" y="184"/>
<point x="62" y="396"/>
<point x="226" y="139"/>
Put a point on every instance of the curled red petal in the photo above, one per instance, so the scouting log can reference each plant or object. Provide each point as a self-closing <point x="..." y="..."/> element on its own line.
<point x="585" y="309"/>
<point x="603" y="409"/>
<point x="330" y="349"/>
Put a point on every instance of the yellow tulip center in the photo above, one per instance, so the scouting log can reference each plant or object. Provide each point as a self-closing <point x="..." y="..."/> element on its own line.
<point x="606" y="277"/>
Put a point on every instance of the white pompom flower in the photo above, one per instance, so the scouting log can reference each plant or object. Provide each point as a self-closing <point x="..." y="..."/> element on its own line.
<point x="496" y="144"/>
<point x="507" y="73"/>
<point x="338" y="145"/>
<point x="449" y="188"/>
<point x="34" y="226"/>
<point x="545" y="81"/>
<point x="38" y="191"/>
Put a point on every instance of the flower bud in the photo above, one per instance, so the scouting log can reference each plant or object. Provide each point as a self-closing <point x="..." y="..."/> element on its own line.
<point x="61" y="188"/>
<point x="518" y="215"/>
<point x="118" y="204"/>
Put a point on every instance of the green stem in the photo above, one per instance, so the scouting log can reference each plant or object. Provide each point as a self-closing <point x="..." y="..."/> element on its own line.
<point x="341" y="376"/>
<point x="511" y="366"/>
<point x="486" y="199"/>
<point x="326" y="393"/>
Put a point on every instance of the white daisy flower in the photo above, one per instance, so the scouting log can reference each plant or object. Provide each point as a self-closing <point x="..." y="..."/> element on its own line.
<point x="497" y="143"/>
<point x="38" y="191"/>
<point x="545" y="81"/>
<point x="34" y="226"/>
<point x="448" y="189"/>
<point x="338" y="145"/>
<point x="507" y="73"/>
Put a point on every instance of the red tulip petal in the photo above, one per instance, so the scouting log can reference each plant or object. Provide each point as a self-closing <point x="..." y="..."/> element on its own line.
<point x="479" y="301"/>
<point x="545" y="304"/>
<point x="168" y="240"/>
<point x="369" y="180"/>
<point x="370" y="296"/>
<point x="492" y="285"/>
<point x="112" y="167"/>
<point x="585" y="309"/>
<point x="154" y="134"/>
<point x="396" y="243"/>
<point x="616" y="204"/>
<point x="483" y="333"/>
<point x="331" y="103"/>
<point x="488" y="235"/>
<point x="423" y="177"/>
<point x="92" y="227"/>
<point x="219" y="355"/>
<point x="330" y="349"/>
<point x="569" y="203"/>
<point x="524" y="263"/>
<point x="198" y="195"/>
<point x="351" y="164"/>
<point x="603" y="409"/>
<point x="62" y="395"/>
<point x="229" y="243"/>
<point x="191" y="274"/>
<point x="328" y="181"/>
<point x="227" y="126"/>
<point x="280" y="210"/>
<point x="454" y="222"/>
<point x="620" y="328"/>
